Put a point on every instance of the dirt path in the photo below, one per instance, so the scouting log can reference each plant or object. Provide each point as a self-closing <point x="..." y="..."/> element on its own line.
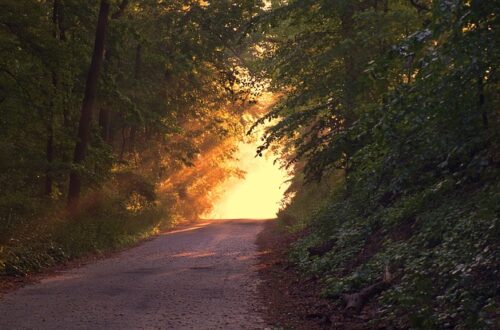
<point x="293" y="301"/>
<point x="198" y="278"/>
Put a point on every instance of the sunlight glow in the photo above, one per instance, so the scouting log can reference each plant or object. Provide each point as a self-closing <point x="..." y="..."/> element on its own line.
<point x="258" y="194"/>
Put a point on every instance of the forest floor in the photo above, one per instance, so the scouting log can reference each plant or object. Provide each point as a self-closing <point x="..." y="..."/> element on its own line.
<point x="294" y="301"/>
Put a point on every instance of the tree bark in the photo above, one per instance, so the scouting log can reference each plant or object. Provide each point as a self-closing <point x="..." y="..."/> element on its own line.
<point x="104" y="112"/>
<point x="347" y="25"/>
<point x="88" y="104"/>
<point x="58" y="33"/>
<point x="350" y="73"/>
<point x="133" y="131"/>
<point x="104" y="121"/>
<point x="58" y="20"/>
<point x="138" y="62"/>
<point x="137" y="77"/>
<point x="121" y="9"/>
<point x="49" y="156"/>
<point x="124" y="143"/>
<point x="480" y="103"/>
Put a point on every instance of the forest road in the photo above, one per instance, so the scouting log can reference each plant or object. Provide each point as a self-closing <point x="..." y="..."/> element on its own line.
<point x="203" y="277"/>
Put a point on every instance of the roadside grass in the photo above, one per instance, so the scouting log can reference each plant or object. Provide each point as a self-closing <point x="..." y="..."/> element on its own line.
<point x="107" y="220"/>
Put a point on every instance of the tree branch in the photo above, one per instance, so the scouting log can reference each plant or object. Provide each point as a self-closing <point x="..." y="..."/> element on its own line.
<point x="121" y="9"/>
<point x="419" y="6"/>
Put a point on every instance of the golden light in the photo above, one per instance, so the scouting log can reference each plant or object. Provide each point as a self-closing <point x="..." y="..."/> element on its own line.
<point x="258" y="194"/>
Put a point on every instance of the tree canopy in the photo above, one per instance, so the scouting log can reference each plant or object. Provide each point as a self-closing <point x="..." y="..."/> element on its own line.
<point x="394" y="106"/>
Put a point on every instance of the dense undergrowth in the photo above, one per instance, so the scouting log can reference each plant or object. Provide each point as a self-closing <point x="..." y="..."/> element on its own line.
<point x="413" y="130"/>
<point x="440" y="244"/>
<point x="108" y="219"/>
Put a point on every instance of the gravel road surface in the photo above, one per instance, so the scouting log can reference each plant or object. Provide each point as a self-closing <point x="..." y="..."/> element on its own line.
<point x="202" y="277"/>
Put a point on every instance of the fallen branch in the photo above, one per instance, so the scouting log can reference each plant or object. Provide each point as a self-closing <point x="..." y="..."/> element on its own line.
<point x="321" y="249"/>
<point x="356" y="301"/>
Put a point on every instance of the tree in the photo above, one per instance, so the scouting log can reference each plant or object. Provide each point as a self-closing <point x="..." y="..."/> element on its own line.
<point x="336" y="45"/>
<point x="88" y="104"/>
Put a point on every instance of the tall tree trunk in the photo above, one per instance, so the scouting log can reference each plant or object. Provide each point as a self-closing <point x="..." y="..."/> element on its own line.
<point x="137" y="77"/>
<point x="87" y="105"/>
<point x="58" y="33"/>
<point x="350" y="72"/>
<point x="480" y="103"/>
<point x="104" y="112"/>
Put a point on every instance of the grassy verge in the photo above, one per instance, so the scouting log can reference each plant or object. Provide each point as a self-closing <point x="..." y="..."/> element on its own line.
<point x="108" y="219"/>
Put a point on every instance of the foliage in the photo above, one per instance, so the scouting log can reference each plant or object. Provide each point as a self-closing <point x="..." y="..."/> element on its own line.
<point x="105" y="222"/>
<point x="407" y="111"/>
<point x="166" y="118"/>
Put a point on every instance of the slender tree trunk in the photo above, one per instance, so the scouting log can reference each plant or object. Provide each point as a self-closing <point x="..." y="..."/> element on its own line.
<point x="137" y="77"/>
<point x="87" y="105"/>
<point x="132" y="137"/>
<point x="124" y="143"/>
<point x="58" y="33"/>
<point x="480" y="103"/>
<point x="49" y="156"/>
<point x="350" y="73"/>
<point x="104" y="112"/>
<point x="480" y="80"/>
<point x="104" y="117"/>
<point x="350" y="70"/>
<point x="58" y="19"/>
<point x="138" y="62"/>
